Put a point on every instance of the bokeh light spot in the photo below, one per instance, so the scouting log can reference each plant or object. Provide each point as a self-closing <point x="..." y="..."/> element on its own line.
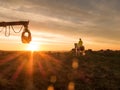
<point x="51" y="87"/>
<point x="75" y="64"/>
<point x="53" y="79"/>
<point x="71" y="86"/>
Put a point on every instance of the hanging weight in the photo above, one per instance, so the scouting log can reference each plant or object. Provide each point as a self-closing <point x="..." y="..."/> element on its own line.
<point x="26" y="38"/>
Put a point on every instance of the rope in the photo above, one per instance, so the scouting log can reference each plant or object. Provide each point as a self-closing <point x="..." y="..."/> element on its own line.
<point x="15" y="31"/>
<point x="2" y="29"/>
<point x="7" y="30"/>
<point x="7" y="34"/>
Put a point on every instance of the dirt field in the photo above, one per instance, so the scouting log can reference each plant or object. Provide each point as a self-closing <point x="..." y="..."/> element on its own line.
<point x="97" y="70"/>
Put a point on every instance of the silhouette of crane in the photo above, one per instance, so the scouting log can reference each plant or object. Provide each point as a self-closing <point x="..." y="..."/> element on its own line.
<point x="26" y="34"/>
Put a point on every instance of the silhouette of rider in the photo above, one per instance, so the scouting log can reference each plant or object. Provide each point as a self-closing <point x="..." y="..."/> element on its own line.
<point x="80" y="43"/>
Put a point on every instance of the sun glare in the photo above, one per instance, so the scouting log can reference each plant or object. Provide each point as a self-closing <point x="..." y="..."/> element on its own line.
<point x="33" y="47"/>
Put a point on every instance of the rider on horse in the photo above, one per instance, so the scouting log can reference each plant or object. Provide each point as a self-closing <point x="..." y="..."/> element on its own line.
<point x="80" y="43"/>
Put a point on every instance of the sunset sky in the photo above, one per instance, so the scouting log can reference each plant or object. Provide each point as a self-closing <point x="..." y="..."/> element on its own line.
<point x="58" y="24"/>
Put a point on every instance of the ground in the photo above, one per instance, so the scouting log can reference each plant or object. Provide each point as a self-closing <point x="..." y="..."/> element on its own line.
<point x="60" y="70"/>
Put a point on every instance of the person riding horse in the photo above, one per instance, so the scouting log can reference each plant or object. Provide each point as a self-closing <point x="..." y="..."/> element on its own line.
<point x="79" y="48"/>
<point x="80" y="45"/>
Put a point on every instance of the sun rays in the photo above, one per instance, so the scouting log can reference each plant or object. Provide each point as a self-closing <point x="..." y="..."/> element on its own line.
<point x="19" y="69"/>
<point x="30" y="64"/>
<point x="32" y="69"/>
<point x="10" y="57"/>
<point x="29" y="61"/>
<point x="25" y="68"/>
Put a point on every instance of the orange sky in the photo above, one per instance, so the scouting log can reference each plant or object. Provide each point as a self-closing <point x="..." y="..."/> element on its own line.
<point x="58" y="25"/>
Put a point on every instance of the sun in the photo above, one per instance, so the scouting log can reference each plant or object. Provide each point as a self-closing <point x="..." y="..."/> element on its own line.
<point x="33" y="47"/>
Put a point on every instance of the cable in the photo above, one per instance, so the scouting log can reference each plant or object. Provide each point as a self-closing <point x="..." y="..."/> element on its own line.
<point x="15" y="31"/>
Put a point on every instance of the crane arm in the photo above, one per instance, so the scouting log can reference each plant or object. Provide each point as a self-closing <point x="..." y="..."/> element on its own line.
<point x="24" y="23"/>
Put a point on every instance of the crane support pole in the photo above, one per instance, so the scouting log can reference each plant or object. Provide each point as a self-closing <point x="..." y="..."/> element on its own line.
<point x="24" y="23"/>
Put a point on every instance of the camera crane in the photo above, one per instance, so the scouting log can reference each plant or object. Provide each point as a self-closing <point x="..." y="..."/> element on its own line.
<point x="26" y="34"/>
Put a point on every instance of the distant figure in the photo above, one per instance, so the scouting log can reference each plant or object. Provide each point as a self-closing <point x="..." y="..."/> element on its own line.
<point x="79" y="48"/>
<point x="80" y="43"/>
